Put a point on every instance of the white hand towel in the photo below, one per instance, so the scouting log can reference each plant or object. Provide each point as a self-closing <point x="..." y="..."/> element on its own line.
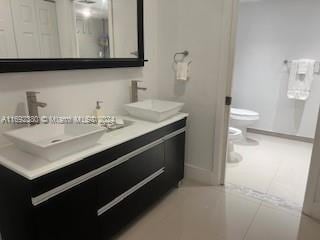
<point x="303" y="66"/>
<point x="182" y="71"/>
<point x="301" y="78"/>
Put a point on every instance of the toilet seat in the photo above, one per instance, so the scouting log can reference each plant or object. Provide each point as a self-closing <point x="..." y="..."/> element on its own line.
<point x="234" y="134"/>
<point x="244" y="114"/>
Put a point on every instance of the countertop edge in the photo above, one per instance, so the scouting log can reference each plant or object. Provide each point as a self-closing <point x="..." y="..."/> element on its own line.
<point x="71" y="159"/>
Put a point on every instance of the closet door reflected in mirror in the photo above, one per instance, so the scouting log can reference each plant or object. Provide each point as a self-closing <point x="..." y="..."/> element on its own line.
<point x="60" y="29"/>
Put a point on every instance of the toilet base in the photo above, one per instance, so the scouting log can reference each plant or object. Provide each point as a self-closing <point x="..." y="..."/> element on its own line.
<point x="244" y="134"/>
<point x="247" y="140"/>
<point x="233" y="157"/>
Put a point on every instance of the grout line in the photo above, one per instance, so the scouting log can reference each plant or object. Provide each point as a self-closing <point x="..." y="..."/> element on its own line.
<point x="274" y="177"/>
<point x="263" y="197"/>
<point x="241" y="195"/>
<point x="252" y="221"/>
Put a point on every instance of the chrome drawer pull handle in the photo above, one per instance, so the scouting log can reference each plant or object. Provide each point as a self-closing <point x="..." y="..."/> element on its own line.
<point x="132" y="190"/>
<point x="176" y="133"/>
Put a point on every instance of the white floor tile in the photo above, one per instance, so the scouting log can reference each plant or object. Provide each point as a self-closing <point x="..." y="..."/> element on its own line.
<point x="283" y="209"/>
<point x="275" y="224"/>
<point x="273" y="165"/>
<point x="198" y="213"/>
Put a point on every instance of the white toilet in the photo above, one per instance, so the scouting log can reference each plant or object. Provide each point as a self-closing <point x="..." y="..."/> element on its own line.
<point x="242" y="119"/>
<point x="234" y="136"/>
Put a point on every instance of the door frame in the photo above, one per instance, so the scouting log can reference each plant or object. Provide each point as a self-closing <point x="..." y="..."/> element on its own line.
<point x="310" y="208"/>
<point x="224" y="89"/>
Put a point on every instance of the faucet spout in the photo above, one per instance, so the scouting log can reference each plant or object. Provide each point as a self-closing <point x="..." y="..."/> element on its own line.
<point x="41" y="104"/>
<point x="33" y="106"/>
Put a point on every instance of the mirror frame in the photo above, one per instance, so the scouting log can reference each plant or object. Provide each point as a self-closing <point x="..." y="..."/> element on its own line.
<point x="30" y="65"/>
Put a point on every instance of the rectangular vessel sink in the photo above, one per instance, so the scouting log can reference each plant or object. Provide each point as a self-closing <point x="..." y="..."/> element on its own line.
<point x="154" y="110"/>
<point x="55" y="141"/>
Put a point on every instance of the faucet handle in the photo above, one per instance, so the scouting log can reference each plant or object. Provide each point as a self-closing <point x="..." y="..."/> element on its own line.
<point x="98" y="104"/>
<point x="32" y="93"/>
<point x="136" y="81"/>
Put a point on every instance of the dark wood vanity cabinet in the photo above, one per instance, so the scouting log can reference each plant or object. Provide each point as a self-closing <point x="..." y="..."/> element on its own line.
<point x="98" y="196"/>
<point x="174" y="149"/>
<point x="112" y="184"/>
<point x="71" y="215"/>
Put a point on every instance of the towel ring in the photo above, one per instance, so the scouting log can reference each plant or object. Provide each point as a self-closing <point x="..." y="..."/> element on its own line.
<point x="185" y="54"/>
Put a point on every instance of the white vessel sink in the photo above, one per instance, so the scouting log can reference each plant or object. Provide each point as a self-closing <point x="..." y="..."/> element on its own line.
<point x="154" y="110"/>
<point x="55" y="141"/>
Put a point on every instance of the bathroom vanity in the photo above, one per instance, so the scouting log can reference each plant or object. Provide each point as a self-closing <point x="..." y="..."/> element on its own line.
<point x="95" y="193"/>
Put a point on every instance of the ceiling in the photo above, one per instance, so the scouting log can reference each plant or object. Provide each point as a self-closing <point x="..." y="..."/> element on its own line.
<point x="98" y="9"/>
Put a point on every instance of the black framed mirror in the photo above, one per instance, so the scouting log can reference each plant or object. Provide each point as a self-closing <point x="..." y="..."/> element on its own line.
<point x="45" y="35"/>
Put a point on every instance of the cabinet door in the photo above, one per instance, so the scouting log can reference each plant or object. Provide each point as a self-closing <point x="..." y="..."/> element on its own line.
<point x="122" y="190"/>
<point x="174" y="158"/>
<point x="113" y="221"/>
<point x="26" y="28"/>
<point x="70" y="215"/>
<point x="118" y="180"/>
<point x="7" y="41"/>
<point x="48" y="29"/>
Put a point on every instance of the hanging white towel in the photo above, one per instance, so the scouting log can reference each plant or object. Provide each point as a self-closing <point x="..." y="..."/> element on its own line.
<point x="182" y="71"/>
<point x="303" y="66"/>
<point x="300" y="80"/>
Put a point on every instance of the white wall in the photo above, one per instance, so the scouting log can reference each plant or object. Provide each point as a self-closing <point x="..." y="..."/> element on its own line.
<point x="198" y="30"/>
<point x="270" y="32"/>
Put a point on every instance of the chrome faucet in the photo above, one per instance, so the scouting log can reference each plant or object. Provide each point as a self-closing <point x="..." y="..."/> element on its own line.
<point x="134" y="90"/>
<point x="33" y="106"/>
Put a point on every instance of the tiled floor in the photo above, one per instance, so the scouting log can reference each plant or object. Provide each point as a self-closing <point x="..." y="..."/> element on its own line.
<point x="197" y="212"/>
<point x="272" y="165"/>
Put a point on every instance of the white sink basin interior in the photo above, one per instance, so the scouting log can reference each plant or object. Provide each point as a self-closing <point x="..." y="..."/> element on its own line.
<point x="154" y="110"/>
<point x="55" y="141"/>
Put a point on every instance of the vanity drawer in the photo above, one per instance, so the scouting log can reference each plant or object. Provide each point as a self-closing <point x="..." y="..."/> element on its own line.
<point x="122" y="214"/>
<point x="140" y="142"/>
<point x="67" y="174"/>
<point x="70" y="215"/>
<point x="131" y="172"/>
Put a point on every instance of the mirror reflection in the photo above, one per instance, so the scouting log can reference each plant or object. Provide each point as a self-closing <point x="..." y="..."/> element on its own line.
<point x="68" y="29"/>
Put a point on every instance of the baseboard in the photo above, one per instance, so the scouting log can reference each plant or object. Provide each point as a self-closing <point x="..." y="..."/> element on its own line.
<point x="281" y="135"/>
<point x="199" y="174"/>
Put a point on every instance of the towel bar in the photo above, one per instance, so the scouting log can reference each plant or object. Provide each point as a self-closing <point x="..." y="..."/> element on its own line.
<point x="317" y="65"/>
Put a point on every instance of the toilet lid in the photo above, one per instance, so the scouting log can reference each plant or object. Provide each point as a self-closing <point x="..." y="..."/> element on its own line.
<point x="243" y="112"/>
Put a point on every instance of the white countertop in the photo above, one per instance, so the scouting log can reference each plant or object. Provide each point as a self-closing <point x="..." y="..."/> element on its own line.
<point x="32" y="167"/>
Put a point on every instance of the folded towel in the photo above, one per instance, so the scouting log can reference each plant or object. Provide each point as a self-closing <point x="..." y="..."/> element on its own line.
<point x="182" y="71"/>
<point x="300" y="80"/>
